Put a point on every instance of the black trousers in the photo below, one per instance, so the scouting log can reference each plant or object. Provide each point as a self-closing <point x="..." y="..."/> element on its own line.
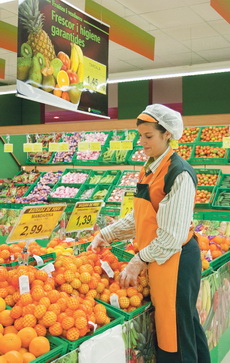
<point x="192" y="342"/>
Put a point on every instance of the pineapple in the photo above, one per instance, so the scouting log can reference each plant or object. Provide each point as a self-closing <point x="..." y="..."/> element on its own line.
<point x="32" y="20"/>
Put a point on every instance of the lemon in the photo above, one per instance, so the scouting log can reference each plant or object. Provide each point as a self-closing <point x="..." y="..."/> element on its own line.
<point x="2" y="304"/>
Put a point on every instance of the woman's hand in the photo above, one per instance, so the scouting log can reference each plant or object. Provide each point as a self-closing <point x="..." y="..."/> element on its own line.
<point x="130" y="273"/>
<point x="98" y="241"/>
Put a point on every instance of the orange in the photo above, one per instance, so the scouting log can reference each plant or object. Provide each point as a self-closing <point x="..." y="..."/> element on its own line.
<point x="18" y="323"/>
<point x="78" y="313"/>
<point x="62" y="303"/>
<point x="55" y="308"/>
<point x="53" y="296"/>
<point x="26" y="299"/>
<point x="73" y="302"/>
<point x="135" y="300"/>
<point x="55" y="329"/>
<point x="3" y="292"/>
<point x="1" y="329"/>
<point x="29" y="320"/>
<point x="72" y="334"/>
<point x="39" y="346"/>
<point x="99" y="307"/>
<point x="3" y="359"/>
<point x="5" y="318"/>
<point x="40" y="330"/>
<point x="124" y="302"/>
<point x="28" y="357"/>
<point x="10" y="329"/>
<point x="23" y="350"/>
<point x="69" y="275"/>
<point x="49" y="318"/>
<point x="68" y="322"/>
<point x="131" y="291"/>
<point x="9" y="342"/>
<point x="80" y="322"/>
<point x="114" y="287"/>
<point x="37" y="293"/>
<point x="13" y="356"/>
<point x="26" y="335"/>
<point x="41" y="275"/>
<point x="62" y="80"/>
<point x="16" y="312"/>
<point x="45" y="301"/>
<point x="39" y="311"/>
<point x="67" y="288"/>
<point x="100" y="317"/>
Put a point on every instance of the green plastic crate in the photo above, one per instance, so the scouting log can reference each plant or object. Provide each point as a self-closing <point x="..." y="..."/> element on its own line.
<point x="205" y="127"/>
<point x="220" y="261"/>
<point x="216" y="215"/>
<point x="47" y="258"/>
<point x="136" y="162"/>
<point x="83" y="188"/>
<point x="109" y="134"/>
<point x="85" y="171"/>
<point x="95" y="177"/>
<point x="184" y="145"/>
<point x="49" y="162"/>
<point x="54" y="172"/>
<point x="99" y="188"/>
<point x="197" y="135"/>
<point x="212" y="172"/>
<point x="24" y="172"/>
<point x="123" y="174"/>
<point x="58" y="347"/>
<point x="207" y="272"/>
<point x="117" y="319"/>
<point x="209" y="161"/>
<point x="110" y="210"/>
<point x="114" y="173"/>
<point x="211" y="189"/>
<point x="225" y="181"/>
<point x="215" y="201"/>
<point x="69" y="200"/>
<point x="111" y="191"/>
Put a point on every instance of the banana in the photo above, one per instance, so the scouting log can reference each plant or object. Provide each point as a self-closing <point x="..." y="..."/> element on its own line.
<point x="80" y="70"/>
<point x="80" y="54"/>
<point x="74" y="58"/>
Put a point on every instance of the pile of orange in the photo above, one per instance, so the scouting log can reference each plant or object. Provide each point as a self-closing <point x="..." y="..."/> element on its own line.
<point x="20" y="346"/>
<point x="10" y="253"/>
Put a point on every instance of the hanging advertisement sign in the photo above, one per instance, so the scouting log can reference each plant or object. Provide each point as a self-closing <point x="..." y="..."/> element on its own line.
<point x="62" y="57"/>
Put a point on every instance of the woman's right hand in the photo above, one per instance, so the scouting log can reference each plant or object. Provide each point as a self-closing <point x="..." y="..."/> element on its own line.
<point x="98" y="241"/>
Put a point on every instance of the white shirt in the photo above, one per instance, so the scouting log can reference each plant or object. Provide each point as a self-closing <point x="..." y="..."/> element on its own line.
<point x="174" y="218"/>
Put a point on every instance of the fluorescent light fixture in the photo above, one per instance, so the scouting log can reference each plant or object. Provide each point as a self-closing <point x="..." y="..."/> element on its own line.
<point x="160" y="73"/>
<point x="5" y="1"/>
<point x="5" y="90"/>
<point x="56" y="116"/>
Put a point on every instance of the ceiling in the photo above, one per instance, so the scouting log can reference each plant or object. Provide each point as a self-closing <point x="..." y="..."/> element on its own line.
<point x="187" y="33"/>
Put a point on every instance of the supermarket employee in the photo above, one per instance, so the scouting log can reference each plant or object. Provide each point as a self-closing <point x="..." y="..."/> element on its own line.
<point x="161" y="223"/>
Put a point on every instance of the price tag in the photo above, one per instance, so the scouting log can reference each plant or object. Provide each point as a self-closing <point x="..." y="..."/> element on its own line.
<point x="115" y="145"/>
<point x="174" y="144"/>
<point x="226" y="142"/>
<point x="37" y="147"/>
<point x="49" y="268"/>
<point x="83" y="146"/>
<point x="28" y="147"/>
<point x="24" y="285"/>
<point x="93" y="324"/>
<point x="84" y="216"/>
<point x="105" y="266"/>
<point x="63" y="146"/>
<point x="53" y="146"/>
<point x="36" y="222"/>
<point x="95" y="146"/>
<point x="126" y="145"/>
<point x="127" y="203"/>
<point x="114" y="301"/>
<point x="8" y="148"/>
<point x="39" y="260"/>
<point x="94" y="75"/>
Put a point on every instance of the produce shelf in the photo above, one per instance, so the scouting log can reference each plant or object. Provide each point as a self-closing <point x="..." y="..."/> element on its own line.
<point x="220" y="261"/>
<point x="58" y="347"/>
<point x="195" y="160"/>
<point x="67" y="199"/>
<point x="222" y="193"/>
<point x="211" y="189"/>
<point x="85" y="171"/>
<point x="225" y="181"/>
<point x="217" y="172"/>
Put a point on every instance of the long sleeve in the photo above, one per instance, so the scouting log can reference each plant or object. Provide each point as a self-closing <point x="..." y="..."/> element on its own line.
<point x="174" y="217"/>
<point x="120" y="230"/>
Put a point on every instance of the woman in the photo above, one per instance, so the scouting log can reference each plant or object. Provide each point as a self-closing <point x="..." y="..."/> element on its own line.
<point x="161" y="223"/>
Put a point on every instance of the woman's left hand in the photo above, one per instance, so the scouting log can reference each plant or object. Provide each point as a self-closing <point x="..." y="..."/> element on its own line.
<point x="130" y="273"/>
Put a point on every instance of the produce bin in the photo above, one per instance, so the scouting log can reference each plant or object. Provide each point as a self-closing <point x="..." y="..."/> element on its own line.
<point x="225" y="181"/>
<point x="99" y="189"/>
<point x="48" y="162"/>
<point x="108" y="133"/>
<point x="217" y="172"/>
<point x="58" y="347"/>
<point x="22" y="172"/>
<point x="83" y="189"/>
<point x="68" y="199"/>
<point x="116" y="317"/>
<point x="222" y="199"/>
<point x="209" y="203"/>
<point x="85" y="171"/>
<point x="219" y="127"/>
<point x="195" y="134"/>
<point x="220" y="261"/>
<point x="195" y="160"/>
<point x="183" y="149"/>
<point x="119" y="189"/>
<point x="137" y="162"/>
<point x="110" y="177"/>
<point x="47" y="258"/>
<point x="89" y="161"/>
<point x="95" y="177"/>
<point x="132" y="181"/>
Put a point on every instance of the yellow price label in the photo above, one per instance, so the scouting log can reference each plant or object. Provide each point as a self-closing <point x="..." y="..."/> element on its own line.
<point x="95" y="146"/>
<point x="28" y="147"/>
<point x="226" y="142"/>
<point x="84" y="216"/>
<point x="127" y="203"/>
<point x="37" y="147"/>
<point x="63" y="146"/>
<point x="126" y="145"/>
<point x="53" y="146"/>
<point x="8" y="148"/>
<point x="115" y="145"/>
<point x="83" y="146"/>
<point x="36" y="222"/>
<point x="174" y="144"/>
<point x="94" y="75"/>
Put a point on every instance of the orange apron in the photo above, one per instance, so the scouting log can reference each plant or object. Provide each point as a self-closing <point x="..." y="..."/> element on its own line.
<point x="162" y="278"/>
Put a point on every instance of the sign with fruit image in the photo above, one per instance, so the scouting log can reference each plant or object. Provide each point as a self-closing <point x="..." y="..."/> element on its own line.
<point x="62" y="56"/>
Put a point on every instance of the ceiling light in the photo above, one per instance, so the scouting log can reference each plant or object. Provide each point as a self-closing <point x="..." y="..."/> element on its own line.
<point x="56" y="116"/>
<point x="197" y="69"/>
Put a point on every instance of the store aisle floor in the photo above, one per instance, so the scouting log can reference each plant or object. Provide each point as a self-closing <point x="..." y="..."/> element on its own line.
<point x="226" y="358"/>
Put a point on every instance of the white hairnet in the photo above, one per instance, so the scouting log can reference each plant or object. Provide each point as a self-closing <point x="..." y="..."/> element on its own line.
<point x="171" y="120"/>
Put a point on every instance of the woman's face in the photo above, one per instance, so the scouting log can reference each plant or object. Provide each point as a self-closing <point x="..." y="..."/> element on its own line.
<point x="153" y="141"/>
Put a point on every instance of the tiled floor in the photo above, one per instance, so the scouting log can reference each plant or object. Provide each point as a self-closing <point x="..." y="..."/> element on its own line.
<point x="226" y="358"/>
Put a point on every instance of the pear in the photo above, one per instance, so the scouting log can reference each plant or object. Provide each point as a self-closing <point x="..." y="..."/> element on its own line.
<point x="48" y="83"/>
<point x="74" y="93"/>
<point x="23" y="67"/>
<point x="56" y="63"/>
<point x="35" y="76"/>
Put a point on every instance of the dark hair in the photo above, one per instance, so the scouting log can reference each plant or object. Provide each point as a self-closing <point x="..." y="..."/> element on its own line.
<point x="156" y="125"/>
